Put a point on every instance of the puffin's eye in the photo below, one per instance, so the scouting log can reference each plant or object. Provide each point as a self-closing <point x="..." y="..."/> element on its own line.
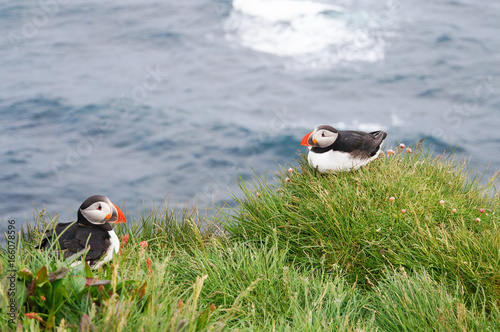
<point x="99" y="207"/>
<point x="322" y="134"/>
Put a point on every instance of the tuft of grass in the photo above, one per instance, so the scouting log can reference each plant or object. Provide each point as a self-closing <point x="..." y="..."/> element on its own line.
<point x="349" y="221"/>
<point x="416" y="302"/>
<point x="171" y="228"/>
<point x="258" y="289"/>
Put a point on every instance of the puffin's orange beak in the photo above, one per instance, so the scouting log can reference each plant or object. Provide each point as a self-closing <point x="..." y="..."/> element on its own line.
<point x="121" y="217"/>
<point x="305" y="139"/>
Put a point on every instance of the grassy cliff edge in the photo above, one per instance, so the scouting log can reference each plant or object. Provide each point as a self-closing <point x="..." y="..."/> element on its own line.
<point x="407" y="243"/>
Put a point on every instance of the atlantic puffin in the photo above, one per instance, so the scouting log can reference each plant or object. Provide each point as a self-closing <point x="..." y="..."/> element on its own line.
<point x="332" y="150"/>
<point x="92" y="229"/>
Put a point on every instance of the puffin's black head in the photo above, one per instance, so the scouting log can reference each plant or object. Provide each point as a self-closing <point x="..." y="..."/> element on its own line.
<point x="322" y="137"/>
<point x="98" y="210"/>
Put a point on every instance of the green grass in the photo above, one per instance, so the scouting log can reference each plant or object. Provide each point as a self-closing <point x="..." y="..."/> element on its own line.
<point x="347" y="220"/>
<point x="318" y="252"/>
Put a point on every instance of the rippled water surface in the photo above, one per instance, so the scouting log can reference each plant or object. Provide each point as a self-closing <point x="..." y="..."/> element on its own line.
<point x="144" y="101"/>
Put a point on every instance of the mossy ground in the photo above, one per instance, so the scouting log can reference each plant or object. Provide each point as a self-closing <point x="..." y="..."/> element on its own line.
<point x="315" y="252"/>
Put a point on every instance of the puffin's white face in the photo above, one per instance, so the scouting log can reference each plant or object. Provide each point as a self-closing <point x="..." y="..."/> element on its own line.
<point x="98" y="210"/>
<point x="98" y="213"/>
<point x="322" y="137"/>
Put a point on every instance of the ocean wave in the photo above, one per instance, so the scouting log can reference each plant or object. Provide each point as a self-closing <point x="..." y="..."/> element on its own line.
<point x="313" y="33"/>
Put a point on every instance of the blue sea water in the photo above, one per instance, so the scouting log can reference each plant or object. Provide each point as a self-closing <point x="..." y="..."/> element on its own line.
<point x="147" y="101"/>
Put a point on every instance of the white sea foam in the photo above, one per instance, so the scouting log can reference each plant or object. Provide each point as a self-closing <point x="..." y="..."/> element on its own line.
<point x="282" y="10"/>
<point x="314" y="33"/>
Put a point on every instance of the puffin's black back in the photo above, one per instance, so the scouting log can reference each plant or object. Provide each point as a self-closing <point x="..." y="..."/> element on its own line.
<point x="69" y="229"/>
<point x="95" y="237"/>
<point x="359" y="143"/>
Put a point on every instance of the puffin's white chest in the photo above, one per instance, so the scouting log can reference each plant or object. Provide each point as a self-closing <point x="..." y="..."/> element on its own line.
<point x="336" y="161"/>
<point x="113" y="248"/>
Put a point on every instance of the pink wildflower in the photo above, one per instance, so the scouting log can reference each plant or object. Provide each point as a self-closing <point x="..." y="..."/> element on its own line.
<point x="143" y="245"/>
<point x="34" y="315"/>
<point x="124" y="240"/>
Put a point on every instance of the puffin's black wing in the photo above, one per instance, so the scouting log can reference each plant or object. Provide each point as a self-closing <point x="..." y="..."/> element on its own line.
<point x="72" y="238"/>
<point x="96" y="239"/>
<point x="60" y="232"/>
<point x="359" y="143"/>
<point x="378" y="137"/>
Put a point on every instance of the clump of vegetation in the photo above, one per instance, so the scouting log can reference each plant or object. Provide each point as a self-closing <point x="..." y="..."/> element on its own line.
<point x="408" y="242"/>
<point x="411" y="210"/>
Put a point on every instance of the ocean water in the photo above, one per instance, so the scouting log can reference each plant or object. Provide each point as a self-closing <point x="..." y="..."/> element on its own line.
<point x="147" y="101"/>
